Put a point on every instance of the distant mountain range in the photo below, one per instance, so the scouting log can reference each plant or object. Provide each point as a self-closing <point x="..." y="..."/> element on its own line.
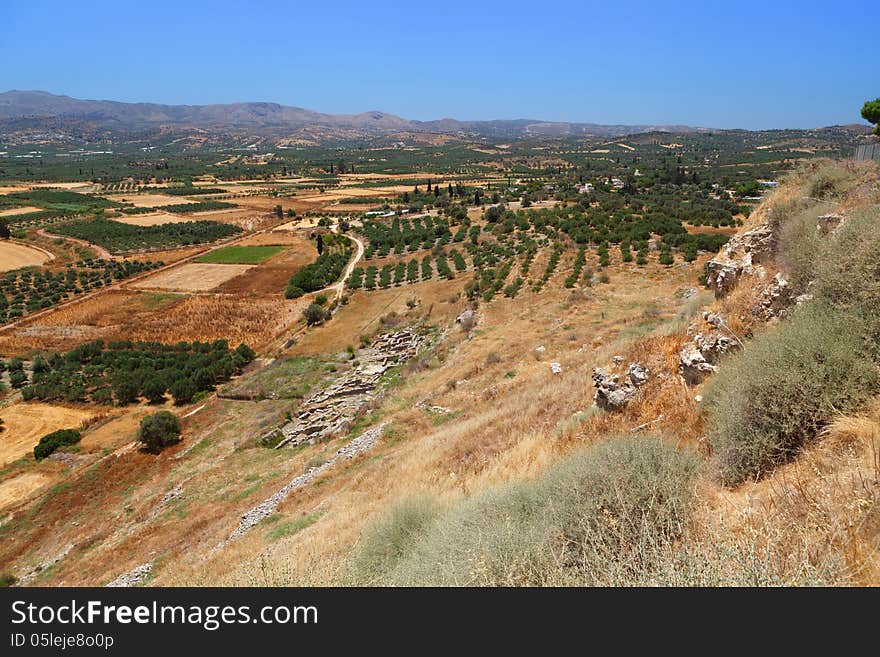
<point x="20" y="110"/>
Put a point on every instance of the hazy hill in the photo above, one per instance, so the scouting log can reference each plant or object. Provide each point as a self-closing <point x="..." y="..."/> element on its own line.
<point x="39" y="109"/>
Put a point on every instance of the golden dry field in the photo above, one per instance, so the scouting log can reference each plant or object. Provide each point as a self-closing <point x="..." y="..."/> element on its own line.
<point x="15" y="256"/>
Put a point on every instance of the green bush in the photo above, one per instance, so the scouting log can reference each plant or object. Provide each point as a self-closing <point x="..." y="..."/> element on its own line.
<point x="53" y="441"/>
<point x="846" y="272"/>
<point x="775" y="395"/>
<point x="390" y="539"/>
<point x="158" y="431"/>
<point x="829" y="181"/>
<point x="800" y="245"/>
<point x="605" y="515"/>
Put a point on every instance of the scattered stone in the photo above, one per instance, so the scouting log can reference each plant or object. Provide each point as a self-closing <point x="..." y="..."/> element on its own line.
<point x="689" y="293"/>
<point x="440" y="410"/>
<point x="132" y="577"/>
<point x="467" y="319"/>
<point x="638" y="374"/>
<point x="617" y="360"/>
<point x="556" y="368"/>
<point x="355" y="448"/>
<point x="828" y="223"/>
<point x="46" y="564"/>
<point x="540" y="349"/>
<point x="174" y="493"/>
<point x="698" y="398"/>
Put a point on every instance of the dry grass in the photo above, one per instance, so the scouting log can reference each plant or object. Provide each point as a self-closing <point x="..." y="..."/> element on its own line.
<point x="16" y="256"/>
<point x="26" y="423"/>
<point x="192" y="277"/>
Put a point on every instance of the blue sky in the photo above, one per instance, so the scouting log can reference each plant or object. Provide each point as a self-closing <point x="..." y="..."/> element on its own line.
<point x="718" y="64"/>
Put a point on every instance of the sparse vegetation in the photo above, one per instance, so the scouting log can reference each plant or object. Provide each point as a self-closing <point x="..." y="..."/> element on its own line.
<point x="610" y="514"/>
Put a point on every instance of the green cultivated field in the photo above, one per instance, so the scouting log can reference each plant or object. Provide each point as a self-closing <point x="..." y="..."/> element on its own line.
<point x="241" y="255"/>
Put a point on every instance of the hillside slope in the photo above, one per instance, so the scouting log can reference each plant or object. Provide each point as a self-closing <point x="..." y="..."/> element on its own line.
<point x="634" y="431"/>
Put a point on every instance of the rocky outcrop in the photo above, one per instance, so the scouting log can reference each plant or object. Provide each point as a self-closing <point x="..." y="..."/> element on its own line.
<point x="708" y="342"/>
<point x="330" y="411"/>
<point x="774" y="299"/>
<point x="741" y="255"/>
<point x="637" y="374"/>
<point x="467" y="319"/>
<point x="613" y="392"/>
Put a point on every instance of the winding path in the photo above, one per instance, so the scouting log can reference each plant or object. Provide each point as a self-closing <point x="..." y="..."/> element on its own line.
<point x="339" y="287"/>
<point x="100" y="251"/>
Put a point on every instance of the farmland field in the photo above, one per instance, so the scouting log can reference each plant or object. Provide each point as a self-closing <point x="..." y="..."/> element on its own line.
<point x="241" y="255"/>
<point x="192" y="277"/>
<point x="119" y="237"/>
<point x="19" y="210"/>
<point x="15" y="489"/>
<point x="152" y="219"/>
<point x="16" y="256"/>
<point x="145" y="316"/>
<point x="27" y="423"/>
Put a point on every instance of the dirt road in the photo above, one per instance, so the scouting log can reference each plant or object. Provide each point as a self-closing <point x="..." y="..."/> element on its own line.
<point x="100" y="251"/>
<point x="339" y="287"/>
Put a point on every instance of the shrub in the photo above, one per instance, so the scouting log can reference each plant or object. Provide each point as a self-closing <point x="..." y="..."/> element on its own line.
<point x="767" y="401"/>
<point x="800" y="245"/>
<point x="846" y="273"/>
<point x="154" y="390"/>
<point x="605" y="515"/>
<point x="158" y="431"/>
<point x="315" y="314"/>
<point x="392" y="537"/>
<point x="52" y="441"/>
<point x="830" y="180"/>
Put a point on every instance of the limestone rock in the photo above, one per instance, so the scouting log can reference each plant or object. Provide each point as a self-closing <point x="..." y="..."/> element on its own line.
<point x="611" y="394"/>
<point x="638" y="374"/>
<point x="774" y="299"/>
<point x="132" y="577"/>
<point x="740" y="255"/>
<point x="828" y="223"/>
<point x="467" y="319"/>
<point x="701" y="354"/>
<point x="556" y="368"/>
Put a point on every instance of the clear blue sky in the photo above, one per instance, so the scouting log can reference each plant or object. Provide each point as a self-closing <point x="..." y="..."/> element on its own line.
<point x="726" y="64"/>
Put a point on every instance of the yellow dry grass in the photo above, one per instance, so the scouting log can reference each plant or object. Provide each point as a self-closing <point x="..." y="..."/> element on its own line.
<point x="192" y="277"/>
<point x="14" y="211"/>
<point x="26" y="423"/>
<point x="154" y="218"/>
<point x="15" y="256"/>
<point x="16" y="489"/>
